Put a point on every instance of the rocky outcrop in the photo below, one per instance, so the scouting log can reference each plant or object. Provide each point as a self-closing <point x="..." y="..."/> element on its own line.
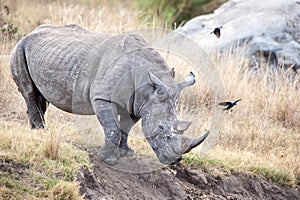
<point x="267" y="29"/>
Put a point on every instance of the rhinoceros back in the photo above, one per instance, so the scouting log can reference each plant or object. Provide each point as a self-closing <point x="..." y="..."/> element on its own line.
<point x="73" y="67"/>
<point x="55" y="55"/>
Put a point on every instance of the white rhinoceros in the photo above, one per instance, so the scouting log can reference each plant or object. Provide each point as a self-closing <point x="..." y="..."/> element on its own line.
<point x="119" y="78"/>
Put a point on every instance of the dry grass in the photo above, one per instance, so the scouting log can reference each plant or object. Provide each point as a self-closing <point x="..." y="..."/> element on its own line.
<point x="52" y="145"/>
<point x="261" y="132"/>
<point x="45" y="168"/>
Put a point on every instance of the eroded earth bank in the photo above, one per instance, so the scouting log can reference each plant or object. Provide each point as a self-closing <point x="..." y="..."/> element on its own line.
<point x="176" y="182"/>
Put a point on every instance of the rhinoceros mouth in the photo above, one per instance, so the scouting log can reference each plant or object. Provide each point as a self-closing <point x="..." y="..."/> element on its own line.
<point x="170" y="158"/>
<point x="176" y="161"/>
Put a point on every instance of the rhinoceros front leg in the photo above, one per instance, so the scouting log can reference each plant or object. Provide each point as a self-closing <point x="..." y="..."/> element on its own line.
<point x="106" y="113"/>
<point x="126" y="123"/>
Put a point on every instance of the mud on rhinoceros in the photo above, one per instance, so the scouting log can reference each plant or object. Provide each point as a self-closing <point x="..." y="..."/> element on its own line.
<point x="118" y="78"/>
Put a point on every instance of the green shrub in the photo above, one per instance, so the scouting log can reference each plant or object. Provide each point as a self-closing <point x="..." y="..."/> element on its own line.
<point x="9" y="30"/>
<point x="178" y="11"/>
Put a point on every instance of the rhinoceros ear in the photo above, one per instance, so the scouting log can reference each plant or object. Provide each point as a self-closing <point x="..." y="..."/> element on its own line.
<point x="154" y="80"/>
<point x="159" y="87"/>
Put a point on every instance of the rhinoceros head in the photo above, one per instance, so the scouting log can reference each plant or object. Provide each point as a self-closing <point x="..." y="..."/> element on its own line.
<point x="161" y="127"/>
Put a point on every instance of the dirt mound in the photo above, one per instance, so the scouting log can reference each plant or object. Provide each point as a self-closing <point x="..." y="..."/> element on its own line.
<point x="176" y="182"/>
<point x="11" y="167"/>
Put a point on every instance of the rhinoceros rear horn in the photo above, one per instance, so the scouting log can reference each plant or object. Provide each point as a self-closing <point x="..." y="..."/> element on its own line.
<point x="181" y="126"/>
<point x="188" y="80"/>
<point x="188" y="144"/>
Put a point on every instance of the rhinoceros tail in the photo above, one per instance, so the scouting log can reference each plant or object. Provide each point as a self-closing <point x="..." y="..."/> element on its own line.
<point x="36" y="103"/>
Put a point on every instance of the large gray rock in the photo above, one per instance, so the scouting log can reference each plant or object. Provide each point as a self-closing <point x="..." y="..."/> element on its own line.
<point x="270" y="28"/>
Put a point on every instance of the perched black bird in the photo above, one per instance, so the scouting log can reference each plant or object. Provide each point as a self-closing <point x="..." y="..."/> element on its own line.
<point x="229" y="104"/>
<point x="172" y="72"/>
<point x="217" y="31"/>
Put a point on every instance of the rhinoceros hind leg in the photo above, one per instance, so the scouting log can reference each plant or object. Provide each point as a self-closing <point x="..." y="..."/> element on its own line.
<point x="36" y="117"/>
<point x="36" y="103"/>
<point x="105" y="112"/>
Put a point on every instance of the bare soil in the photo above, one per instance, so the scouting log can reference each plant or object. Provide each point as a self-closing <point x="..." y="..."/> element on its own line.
<point x="11" y="167"/>
<point x="176" y="182"/>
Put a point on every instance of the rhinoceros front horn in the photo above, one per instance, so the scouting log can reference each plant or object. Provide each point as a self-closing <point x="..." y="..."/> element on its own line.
<point x="188" y="144"/>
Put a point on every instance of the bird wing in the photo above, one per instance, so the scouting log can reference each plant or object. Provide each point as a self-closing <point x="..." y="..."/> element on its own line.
<point x="226" y="103"/>
<point x="237" y="100"/>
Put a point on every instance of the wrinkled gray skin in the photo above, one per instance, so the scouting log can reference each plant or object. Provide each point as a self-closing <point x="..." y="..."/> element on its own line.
<point x="119" y="78"/>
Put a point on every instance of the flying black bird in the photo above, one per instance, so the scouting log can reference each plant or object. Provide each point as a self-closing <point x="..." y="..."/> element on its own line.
<point x="229" y="104"/>
<point x="217" y="31"/>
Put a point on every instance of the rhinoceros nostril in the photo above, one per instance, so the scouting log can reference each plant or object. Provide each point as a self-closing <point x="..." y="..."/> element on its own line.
<point x="177" y="161"/>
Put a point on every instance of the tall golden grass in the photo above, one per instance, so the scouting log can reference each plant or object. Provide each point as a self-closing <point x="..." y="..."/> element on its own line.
<point x="263" y="131"/>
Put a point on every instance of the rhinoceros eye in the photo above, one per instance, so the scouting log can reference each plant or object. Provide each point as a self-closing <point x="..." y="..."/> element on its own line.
<point x="161" y="127"/>
<point x="160" y="89"/>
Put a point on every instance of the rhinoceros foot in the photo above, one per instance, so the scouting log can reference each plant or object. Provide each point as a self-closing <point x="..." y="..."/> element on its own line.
<point x="109" y="154"/>
<point x="126" y="151"/>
